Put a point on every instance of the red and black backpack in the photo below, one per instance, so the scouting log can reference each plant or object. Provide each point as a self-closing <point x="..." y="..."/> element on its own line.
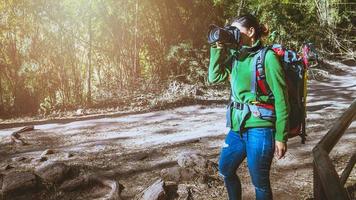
<point x="295" y="67"/>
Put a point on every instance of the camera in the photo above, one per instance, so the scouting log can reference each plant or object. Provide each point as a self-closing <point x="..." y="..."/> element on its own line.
<point x="229" y="35"/>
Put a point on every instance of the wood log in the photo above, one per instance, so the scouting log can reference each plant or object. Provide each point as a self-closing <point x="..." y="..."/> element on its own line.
<point x="350" y="165"/>
<point x="154" y="192"/>
<point x="328" y="176"/>
<point x="84" y="181"/>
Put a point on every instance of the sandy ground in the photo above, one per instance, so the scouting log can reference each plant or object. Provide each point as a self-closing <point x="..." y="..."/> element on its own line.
<point x="138" y="146"/>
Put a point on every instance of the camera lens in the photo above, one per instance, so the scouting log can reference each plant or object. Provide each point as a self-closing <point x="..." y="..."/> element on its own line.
<point x="227" y="35"/>
<point x="214" y="34"/>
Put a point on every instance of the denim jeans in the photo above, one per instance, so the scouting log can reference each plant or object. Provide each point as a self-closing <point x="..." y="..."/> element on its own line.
<point x="258" y="145"/>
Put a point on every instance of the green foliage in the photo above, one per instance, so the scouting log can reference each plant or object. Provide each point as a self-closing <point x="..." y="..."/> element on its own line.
<point x="188" y="64"/>
<point x="46" y="46"/>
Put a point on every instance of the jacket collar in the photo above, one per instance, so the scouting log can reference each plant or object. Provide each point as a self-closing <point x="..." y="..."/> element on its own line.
<point x="246" y="51"/>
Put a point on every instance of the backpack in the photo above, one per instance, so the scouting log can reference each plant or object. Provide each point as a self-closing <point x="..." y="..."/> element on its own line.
<point x="295" y="67"/>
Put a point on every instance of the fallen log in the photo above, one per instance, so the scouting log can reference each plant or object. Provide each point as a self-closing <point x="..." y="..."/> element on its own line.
<point x="15" y="136"/>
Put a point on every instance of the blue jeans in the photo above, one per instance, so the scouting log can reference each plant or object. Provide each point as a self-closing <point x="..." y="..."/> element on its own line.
<point x="258" y="145"/>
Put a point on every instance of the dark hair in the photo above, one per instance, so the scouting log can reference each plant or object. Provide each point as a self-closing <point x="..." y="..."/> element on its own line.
<point x="249" y="21"/>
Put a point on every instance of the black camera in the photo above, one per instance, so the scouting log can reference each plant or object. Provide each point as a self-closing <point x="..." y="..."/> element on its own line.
<point x="229" y="35"/>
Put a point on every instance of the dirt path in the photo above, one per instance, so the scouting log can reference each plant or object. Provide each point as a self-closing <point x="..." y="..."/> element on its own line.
<point x="138" y="146"/>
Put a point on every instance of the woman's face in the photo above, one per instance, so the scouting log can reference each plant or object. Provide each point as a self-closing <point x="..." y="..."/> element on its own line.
<point x="246" y="34"/>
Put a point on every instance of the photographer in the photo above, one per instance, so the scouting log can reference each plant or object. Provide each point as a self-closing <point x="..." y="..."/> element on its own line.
<point x="258" y="122"/>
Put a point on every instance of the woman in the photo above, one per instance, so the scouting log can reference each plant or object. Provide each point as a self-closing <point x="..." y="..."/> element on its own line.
<point x="250" y="135"/>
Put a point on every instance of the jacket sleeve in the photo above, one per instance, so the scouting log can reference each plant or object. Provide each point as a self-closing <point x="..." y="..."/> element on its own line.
<point x="275" y="78"/>
<point x="219" y="65"/>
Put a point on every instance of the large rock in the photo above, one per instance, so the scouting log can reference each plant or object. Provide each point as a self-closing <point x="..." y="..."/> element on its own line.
<point x="53" y="172"/>
<point x="154" y="192"/>
<point x="16" y="182"/>
<point x="191" y="167"/>
<point x="179" y="174"/>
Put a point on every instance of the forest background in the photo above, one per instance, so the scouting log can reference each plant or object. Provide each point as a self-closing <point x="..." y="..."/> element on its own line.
<point x="65" y="55"/>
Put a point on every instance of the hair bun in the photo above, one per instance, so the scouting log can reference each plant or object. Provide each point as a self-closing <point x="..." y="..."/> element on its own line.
<point x="264" y="30"/>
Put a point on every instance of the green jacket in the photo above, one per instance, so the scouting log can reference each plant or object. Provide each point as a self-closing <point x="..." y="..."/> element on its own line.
<point x="220" y="68"/>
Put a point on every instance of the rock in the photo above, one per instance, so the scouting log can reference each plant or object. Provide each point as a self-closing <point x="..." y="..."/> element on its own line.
<point x="53" y="172"/>
<point x="188" y="160"/>
<point x="154" y="192"/>
<point x="47" y="152"/>
<point x="15" y="182"/>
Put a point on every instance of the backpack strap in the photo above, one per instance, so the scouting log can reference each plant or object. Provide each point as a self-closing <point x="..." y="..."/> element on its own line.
<point x="290" y="56"/>
<point x="258" y="74"/>
<point x="256" y="60"/>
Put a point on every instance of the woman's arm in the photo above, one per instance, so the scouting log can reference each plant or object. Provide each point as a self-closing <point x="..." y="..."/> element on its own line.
<point x="219" y="65"/>
<point x="275" y="78"/>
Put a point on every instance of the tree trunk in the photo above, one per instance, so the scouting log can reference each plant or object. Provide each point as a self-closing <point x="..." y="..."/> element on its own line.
<point x="89" y="60"/>
<point x="1" y="99"/>
<point x="327" y="12"/>
<point x="241" y="6"/>
<point x="135" y="50"/>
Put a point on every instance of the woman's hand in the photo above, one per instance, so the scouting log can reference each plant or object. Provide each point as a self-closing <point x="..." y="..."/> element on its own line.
<point x="280" y="150"/>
